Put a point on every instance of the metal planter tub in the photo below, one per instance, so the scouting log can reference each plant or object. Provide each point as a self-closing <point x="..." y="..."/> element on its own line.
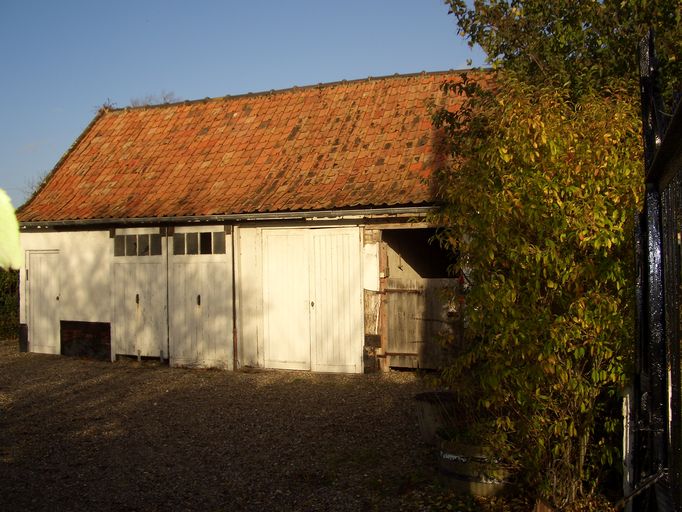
<point x="472" y="470"/>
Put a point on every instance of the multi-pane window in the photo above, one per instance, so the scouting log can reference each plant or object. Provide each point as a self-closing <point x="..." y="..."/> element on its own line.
<point x="137" y="245"/>
<point x="183" y="243"/>
<point x="199" y="243"/>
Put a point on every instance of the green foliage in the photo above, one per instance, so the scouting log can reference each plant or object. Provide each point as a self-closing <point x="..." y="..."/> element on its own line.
<point x="539" y="210"/>
<point x="578" y="42"/>
<point x="545" y="179"/>
<point x="9" y="304"/>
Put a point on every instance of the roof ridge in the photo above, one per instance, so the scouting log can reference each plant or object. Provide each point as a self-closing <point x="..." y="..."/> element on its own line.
<point x="293" y="88"/>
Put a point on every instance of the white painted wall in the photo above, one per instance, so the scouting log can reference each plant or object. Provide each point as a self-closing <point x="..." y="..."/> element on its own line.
<point x="84" y="272"/>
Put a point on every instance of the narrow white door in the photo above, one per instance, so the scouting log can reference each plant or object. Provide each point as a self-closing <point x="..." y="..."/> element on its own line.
<point x="139" y="325"/>
<point x="336" y="300"/>
<point x="43" y="286"/>
<point x="286" y="302"/>
<point x="201" y="311"/>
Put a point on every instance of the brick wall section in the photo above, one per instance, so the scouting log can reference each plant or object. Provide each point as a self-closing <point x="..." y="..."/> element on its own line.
<point x="85" y="339"/>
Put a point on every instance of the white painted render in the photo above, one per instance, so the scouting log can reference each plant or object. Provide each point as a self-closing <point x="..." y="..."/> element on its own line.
<point x="83" y="272"/>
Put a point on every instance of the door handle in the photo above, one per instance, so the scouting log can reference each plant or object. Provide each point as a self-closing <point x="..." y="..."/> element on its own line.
<point x="312" y="303"/>
<point x="137" y="298"/>
<point x="198" y="300"/>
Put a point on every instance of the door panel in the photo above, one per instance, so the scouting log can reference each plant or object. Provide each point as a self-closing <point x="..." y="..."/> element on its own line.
<point x="201" y="311"/>
<point x="139" y="325"/>
<point x="312" y="300"/>
<point x="286" y="300"/>
<point x="43" y="285"/>
<point x="336" y="290"/>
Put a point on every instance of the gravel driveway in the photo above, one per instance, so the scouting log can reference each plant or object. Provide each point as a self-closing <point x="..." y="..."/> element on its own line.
<point x="78" y="434"/>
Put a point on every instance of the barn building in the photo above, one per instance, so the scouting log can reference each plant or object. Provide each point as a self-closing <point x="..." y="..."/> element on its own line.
<point x="284" y="229"/>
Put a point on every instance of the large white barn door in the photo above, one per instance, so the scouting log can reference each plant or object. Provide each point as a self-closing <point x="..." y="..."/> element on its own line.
<point x="43" y="290"/>
<point x="286" y="300"/>
<point x="139" y="324"/>
<point x="336" y="299"/>
<point x="201" y="310"/>
<point x="312" y="299"/>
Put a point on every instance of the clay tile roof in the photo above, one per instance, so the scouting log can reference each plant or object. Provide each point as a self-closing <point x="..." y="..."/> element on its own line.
<point x="364" y="143"/>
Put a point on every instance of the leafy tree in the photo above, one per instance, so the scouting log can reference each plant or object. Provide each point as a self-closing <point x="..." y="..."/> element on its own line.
<point x="583" y="43"/>
<point x="11" y="257"/>
<point x="9" y="303"/>
<point x="539" y="213"/>
<point x="10" y="250"/>
<point x="545" y="175"/>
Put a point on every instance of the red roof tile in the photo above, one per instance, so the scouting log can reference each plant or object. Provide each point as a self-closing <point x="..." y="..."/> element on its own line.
<point x="352" y="144"/>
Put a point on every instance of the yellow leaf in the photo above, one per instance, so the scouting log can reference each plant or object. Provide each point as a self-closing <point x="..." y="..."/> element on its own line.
<point x="10" y="249"/>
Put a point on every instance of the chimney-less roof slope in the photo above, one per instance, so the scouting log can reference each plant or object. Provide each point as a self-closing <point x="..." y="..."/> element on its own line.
<point x="362" y="143"/>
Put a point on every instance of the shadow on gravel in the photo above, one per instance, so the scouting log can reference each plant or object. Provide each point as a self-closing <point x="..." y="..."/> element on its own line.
<point x="85" y="435"/>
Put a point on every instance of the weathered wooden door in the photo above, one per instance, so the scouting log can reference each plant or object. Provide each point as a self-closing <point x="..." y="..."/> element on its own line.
<point x="139" y="323"/>
<point x="201" y="306"/>
<point x="419" y="320"/>
<point x="312" y="299"/>
<point x="43" y="289"/>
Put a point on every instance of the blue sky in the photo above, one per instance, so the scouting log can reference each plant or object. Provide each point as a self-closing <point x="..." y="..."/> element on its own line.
<point x="62" y="60"/>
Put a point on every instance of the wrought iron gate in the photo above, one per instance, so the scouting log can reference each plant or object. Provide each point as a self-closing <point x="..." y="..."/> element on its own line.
<point x="655" y="416"/>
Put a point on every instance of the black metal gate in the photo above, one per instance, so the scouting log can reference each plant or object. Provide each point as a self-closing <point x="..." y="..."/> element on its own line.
<point x="656" y="447"/>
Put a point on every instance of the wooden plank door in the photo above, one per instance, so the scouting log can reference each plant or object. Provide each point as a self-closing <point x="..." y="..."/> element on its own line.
<point x="419" y="319"/>
<point x="336" y="300"/>
<point x="312" y="299"/>
<point x="43" y="290"/>
<point x="286" y="300"/>
<point x="201" y="311"/>
<point x="139" y="326"/>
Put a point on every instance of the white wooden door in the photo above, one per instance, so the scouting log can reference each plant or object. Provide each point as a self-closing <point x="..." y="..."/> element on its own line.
<point x="312" y="299"/>
<point x="139" y="323"/>
<point x="43" y="291"/>
<point x="336" y="299"/>
<point x="286" y="301"/>
<point x="201" y="310"/>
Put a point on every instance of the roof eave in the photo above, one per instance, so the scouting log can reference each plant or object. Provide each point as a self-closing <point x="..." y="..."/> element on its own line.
<point x="340" y="214"/>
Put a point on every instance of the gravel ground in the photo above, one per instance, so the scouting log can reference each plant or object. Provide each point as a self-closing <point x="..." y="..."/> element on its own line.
<point x="77" y="434"/>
